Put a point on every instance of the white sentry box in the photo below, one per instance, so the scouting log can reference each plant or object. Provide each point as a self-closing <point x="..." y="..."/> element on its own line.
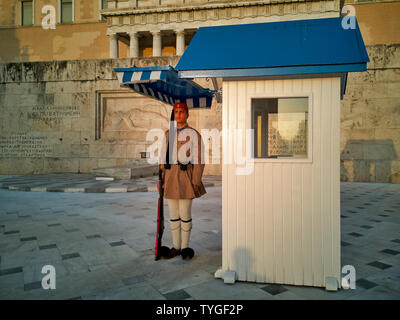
<point x="281" y="221"/>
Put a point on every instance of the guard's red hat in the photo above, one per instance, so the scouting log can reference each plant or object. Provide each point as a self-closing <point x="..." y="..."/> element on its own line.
<point x="181" y="105"/>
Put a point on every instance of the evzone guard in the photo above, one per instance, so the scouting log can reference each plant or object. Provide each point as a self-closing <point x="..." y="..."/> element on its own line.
<point x="180" y="181"/>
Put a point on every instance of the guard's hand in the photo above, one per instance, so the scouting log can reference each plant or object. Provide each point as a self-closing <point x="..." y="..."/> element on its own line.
<point x="196" y="188"/>
<point x="158" y="187"/>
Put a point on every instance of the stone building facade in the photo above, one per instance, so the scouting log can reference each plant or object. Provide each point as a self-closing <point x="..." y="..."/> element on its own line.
<point x="158" y="21"/>
<point x="63" y="110"/>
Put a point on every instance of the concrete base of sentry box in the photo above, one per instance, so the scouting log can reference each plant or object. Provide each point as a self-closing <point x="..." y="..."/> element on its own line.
<point x="230" y="277"/>
<point x="331" y="284"/>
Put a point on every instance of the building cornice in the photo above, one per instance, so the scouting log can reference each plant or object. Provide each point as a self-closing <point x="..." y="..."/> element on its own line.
<point x="192" y="17"/>
<point x="208" y="6"/>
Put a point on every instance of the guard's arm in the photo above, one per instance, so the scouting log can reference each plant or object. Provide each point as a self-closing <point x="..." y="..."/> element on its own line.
<point x="198" y="165"/>
<point x="163" y="152"/>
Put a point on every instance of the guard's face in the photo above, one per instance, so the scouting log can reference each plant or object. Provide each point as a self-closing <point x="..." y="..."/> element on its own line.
<point x="181" y="115"/>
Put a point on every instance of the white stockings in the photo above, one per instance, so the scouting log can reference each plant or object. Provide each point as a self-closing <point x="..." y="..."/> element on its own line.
<point x="180" y="221"/>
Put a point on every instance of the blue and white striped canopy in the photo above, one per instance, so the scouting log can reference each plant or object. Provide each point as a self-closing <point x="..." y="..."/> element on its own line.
<point x="162" y="83"/>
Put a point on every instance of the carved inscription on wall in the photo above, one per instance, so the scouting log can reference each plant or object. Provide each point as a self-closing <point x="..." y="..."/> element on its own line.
<point x="127" y="116"/>
<point x="54" y="113"/>
<point x="23" y="145"/>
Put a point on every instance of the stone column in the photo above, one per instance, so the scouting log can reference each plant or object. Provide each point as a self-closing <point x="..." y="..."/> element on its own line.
<point x="180" y="42"/>
<point x="133" y="45"/>
<point x="113" y="46"/>
<point x="156" y="43"/>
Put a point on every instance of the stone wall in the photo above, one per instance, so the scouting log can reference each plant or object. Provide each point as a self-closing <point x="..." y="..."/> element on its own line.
<point x="370" y="119"/>
<point x="72" y="116"/>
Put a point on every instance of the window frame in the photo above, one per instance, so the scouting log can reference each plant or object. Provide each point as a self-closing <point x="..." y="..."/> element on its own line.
<point x="101" y="8"/>
<point x="60" y="12"/>
<point x="249" y="125"/>
<point x="22" y="14"/>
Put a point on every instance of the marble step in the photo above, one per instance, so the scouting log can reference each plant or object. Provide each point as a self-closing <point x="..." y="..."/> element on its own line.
<point x="127" y="172"/>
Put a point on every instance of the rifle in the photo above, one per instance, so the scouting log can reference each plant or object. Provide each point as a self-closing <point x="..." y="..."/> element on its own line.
<point x="162" y="251"/>
<point x="160" y="217"/>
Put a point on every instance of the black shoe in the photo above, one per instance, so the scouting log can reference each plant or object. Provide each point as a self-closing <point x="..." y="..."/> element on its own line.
<point x="164" y="252"/>
<point x="187" y="253"/>
<point x="167" y="253"/>
<point x="174" y="252"/>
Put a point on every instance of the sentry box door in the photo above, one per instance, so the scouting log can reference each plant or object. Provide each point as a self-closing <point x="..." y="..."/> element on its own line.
<point x="281" y="208"/>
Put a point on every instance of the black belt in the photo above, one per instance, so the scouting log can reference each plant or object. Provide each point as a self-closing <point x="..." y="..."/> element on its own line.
<point x="182" y="166"/>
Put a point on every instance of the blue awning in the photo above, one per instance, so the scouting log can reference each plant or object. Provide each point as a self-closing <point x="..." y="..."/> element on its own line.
<point x="162" y="83"/>
<point x="301" y="47"/>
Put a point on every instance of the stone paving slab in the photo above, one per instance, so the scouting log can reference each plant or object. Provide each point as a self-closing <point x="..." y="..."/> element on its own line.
<point x="101" y="246"/>
<point x="87" y="183"/>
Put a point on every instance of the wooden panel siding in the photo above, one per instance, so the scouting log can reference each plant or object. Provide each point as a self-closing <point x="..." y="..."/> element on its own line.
<point x="281" y="223"/>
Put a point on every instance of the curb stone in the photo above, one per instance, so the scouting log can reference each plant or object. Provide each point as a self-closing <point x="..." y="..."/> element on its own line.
<point x="152" y="188"/>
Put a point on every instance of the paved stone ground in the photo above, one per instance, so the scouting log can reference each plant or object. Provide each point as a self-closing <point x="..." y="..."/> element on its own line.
<point x="101" y="245"/>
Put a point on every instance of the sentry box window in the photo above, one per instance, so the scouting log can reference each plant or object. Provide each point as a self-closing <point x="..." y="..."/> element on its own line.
<point x="280" y="127"/>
